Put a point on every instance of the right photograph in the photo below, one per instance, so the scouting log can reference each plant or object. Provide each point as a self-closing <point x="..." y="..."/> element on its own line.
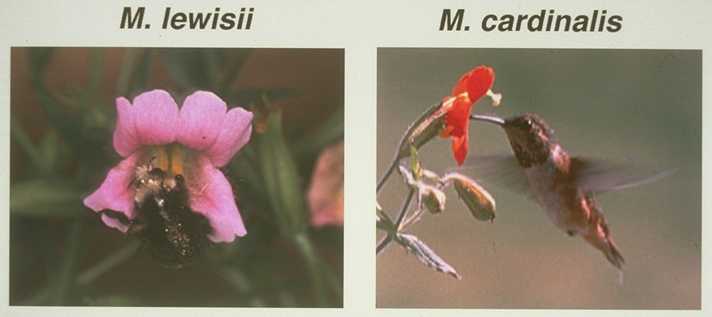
<point x="539" y="178"/>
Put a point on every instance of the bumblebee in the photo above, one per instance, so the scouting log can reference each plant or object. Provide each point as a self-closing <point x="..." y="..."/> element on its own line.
<point x="174" y="234"/>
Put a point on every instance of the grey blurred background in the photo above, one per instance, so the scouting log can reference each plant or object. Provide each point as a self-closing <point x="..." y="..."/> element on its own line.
<point x="641" y="106"/>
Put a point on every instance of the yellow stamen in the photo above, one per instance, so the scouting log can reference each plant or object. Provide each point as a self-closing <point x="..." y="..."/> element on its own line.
<point x="161" y="159"/>
<point x="176" y="160"/>
<point x="496" y="97"/>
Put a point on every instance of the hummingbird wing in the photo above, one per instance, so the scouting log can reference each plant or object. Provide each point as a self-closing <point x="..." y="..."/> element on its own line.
<point x="593" y="175"/>
<point x="501" y="170"/>
<point x="601" y="176"/>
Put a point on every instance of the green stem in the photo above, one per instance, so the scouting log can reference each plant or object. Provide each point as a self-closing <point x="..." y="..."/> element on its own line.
<point x="306" y="249"/>
<point x="382" y="245"/>
<point x="108" y="263"/>
<point x="69" y="263"/>
<point x="403" y="140"/>
<point x="23" y="140"/>
<point x="131" y="56"/>
<point x="403" y="211"/>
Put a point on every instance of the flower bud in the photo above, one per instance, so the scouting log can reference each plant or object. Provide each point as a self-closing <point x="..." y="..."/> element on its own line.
<point x="428" y="174"/>
<point x="425" y="131"/>
<point x="476" y="198"/>
<point x="432" y="198"/>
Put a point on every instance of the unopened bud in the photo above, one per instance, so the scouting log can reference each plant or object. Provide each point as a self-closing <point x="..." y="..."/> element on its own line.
<point x="425" y="131"/>
<point x="433" y="198"/>
<point x="476" y="198"/>
<point x="428" y="174"/>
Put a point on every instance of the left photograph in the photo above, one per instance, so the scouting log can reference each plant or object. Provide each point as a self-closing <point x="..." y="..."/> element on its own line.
<point x="201" y="177"/>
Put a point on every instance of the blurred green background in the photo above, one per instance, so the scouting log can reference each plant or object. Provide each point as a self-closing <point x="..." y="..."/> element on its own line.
<point x="639" y="106"/>
<point x="63" y="115"/>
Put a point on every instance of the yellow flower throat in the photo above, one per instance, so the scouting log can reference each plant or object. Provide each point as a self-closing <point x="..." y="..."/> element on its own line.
<point x="169" y="158"/>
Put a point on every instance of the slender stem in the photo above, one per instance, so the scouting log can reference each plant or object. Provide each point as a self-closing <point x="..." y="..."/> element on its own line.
<point x="307" y="251"/>
<point x="63" y="283"/>
<point x="108" y="263"/>
<point x="131" y="56"/>
<point x="382" y="245"/>
<point x="388" y="173"/>
<point x="404" y="208"/>
<point x="413" y="218"/>
<point x="403" y="211"/>
<point x="25" y="142"/>
<point x="403" y="140"/>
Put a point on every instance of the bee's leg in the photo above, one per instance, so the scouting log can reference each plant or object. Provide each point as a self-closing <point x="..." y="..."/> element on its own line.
<point x="150" y="163"/>
<point x="180" y="181"/>
<point x="137" y="226"/>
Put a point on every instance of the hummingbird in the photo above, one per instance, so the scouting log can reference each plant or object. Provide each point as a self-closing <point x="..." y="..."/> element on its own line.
<point x="564" y="186"/>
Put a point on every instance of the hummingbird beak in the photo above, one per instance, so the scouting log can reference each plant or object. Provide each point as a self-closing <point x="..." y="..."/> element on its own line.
<point x="490" y="119"/>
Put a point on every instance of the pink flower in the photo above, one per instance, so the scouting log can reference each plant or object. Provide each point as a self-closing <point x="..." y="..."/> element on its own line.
<point x="193" y="141"/>
<point x="326" y="192"/>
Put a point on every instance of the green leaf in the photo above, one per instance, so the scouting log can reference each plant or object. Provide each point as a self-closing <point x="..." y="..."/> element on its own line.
<point x="134" y="70"/>
<point x="106" y="264"/>
<point x="50" y="148"/>
<point x="23" y="140"/>
<point x="237" y="279"/>
<point x="332" y="130"/>
<point x="306" y="249"/>
<point x="189" y="68"/>
<point x="63" y="279"/>
<point x="39" y="57"/>
<point x="425" y="254"/>
<point x="233" y="60"/>
<point x="46" y="198"/>
<point x="281" y="178"/>
<point x="63" y="121"/>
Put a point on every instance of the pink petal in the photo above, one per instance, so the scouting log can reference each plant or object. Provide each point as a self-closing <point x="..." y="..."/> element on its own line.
<point x="235" y="133"/>
<point x="116" y="192"/>
<point x="114" y="223"/>
<point x="211" y="196"/>
<point x="200" y="120"/>
<point x="326" y="192"/>
<point x="329" y="215"/>
<point x="155" y="116"/>
<point x="125" y="141"/>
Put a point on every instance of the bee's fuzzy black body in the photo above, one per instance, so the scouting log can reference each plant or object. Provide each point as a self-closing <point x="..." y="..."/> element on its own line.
<point x="174" y="234"/>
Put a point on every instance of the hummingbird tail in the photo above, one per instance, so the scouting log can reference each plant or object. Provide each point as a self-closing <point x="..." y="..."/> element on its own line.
<point x="608" y="247"/>
<point x="614" y="255"/>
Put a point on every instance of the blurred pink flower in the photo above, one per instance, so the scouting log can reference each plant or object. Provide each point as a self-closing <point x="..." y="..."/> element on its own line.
<point x="193" y="141"/>
<point x="326" y="192"/>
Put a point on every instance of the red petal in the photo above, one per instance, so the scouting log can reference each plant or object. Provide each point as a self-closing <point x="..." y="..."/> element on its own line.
<point x="475" y="82"/>
<point x="458" y="116"/>
<point x="459" y="148"/>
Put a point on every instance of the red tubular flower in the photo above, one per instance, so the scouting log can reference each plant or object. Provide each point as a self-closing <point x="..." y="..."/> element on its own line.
<point x="468" y="90"/>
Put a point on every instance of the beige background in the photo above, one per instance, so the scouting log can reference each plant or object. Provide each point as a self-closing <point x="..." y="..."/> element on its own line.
<point x="359" y="27"/>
